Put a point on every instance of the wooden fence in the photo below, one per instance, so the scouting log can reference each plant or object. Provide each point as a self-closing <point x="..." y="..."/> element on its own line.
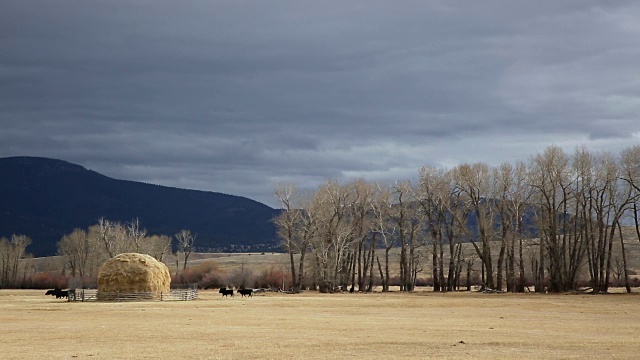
<point x="95" y="295"/>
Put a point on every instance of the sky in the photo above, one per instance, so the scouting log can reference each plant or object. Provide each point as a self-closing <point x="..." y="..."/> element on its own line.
<point x="238" y="96"/>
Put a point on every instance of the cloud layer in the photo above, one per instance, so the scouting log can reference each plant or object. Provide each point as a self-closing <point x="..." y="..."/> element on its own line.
<point x="235" y="96"/>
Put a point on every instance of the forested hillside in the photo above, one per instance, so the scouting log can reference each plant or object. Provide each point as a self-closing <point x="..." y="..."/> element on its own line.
<point x="46" y="198"/>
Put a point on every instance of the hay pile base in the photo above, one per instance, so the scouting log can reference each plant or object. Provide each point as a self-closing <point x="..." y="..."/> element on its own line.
<point x="131" y="273"/>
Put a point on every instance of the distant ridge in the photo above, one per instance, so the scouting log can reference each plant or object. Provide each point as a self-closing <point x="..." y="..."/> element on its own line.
<point x="47" y="198"/>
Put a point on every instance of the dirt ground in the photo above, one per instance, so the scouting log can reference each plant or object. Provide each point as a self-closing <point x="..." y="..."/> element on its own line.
<point x="324" y="326"/>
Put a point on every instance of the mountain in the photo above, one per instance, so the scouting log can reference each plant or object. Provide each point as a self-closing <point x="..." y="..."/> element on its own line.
<point x="47" y="198"/>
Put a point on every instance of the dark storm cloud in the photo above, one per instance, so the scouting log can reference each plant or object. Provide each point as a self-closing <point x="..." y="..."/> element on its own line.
<point x="235" y="96"/>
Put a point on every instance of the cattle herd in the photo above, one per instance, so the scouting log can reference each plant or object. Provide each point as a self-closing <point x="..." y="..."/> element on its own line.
<point x="243" y="292"/>
<point x="59" y="293"/>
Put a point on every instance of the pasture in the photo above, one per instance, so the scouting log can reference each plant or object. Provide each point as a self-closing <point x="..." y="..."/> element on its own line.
<point x="318" y="326"/>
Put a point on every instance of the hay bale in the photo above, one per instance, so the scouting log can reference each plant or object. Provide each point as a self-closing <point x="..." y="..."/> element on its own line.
<point x="133" y="273"/>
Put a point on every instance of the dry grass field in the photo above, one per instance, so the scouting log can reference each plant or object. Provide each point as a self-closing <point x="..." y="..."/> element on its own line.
<point x="324" y="326"/>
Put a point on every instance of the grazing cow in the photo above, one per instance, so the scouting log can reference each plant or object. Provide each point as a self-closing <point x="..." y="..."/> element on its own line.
<point x="226" y="292"/>
<point x="58" y="293"/>
<point x="247" y="292"/>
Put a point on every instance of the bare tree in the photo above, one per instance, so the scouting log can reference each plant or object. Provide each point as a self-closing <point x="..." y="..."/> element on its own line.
<point x="336" y="231"/>
<point x="364" y="239"/>
<point x="111" y="235"/>
<point x="630" y="174"/>
<point x="433" y="197"/>
<point x="518" y="203"/>
<point x="446" y="218"/>
<point x="185" y="245"/>
<point x="551" y="179"/>
<point x="11" y="252"/>
<point x="408" y="222"/>
<point x="382" y="225"/>
<point x="158" y="246"/>
<point x="136" y="235"/>
<point x="473" y="182"/>
<point x="288" y="225"/>
<point x="75" y="250"/>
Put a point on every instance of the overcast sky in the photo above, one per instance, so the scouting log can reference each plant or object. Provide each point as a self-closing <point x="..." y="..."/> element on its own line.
<point x="236" y="96"/>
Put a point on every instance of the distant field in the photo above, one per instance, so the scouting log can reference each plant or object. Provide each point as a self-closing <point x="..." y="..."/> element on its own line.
<point x="255" y="262"/>
<point x="319" y="326"/>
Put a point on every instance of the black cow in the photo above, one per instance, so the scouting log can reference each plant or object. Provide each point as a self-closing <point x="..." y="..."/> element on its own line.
<point x="247" y="292"/>
<point x="226" y="292"/>
<point x="58" y="293"/>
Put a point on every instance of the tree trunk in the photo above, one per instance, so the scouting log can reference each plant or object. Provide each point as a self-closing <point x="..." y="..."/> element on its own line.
<point x="434" y="272"/>
<point x="373" y="254"/>
<point x="636" y="220"/>
<point x="385" y="285"/>
<point x="294" y="278"/>
<point x="624" y="260"/>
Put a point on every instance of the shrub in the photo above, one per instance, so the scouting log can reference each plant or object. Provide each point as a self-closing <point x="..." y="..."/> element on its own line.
<point x="213" y="280"/>
<point x="45" y="280"/>
<point x="195" y="274"/>
<point x="241" y="279"/>
<point x="273" y="277"/>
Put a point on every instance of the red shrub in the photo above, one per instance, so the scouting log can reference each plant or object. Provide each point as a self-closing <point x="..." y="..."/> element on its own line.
<point x="45" y="280"/>
<point x="213" y="280"/>
<point x="204" y="274"/>
<point x="273" y="277"/>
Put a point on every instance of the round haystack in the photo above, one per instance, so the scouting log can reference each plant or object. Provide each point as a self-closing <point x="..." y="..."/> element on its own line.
<point x="133" y="273"/>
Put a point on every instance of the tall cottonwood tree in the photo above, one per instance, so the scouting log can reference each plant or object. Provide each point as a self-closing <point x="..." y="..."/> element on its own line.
<point x="503" y="178"/>
<point x="408" y="222"/>
<point x="185" y="240"/>
<point x="518" y="202"/>
<point x="75" y="248"/>
<point x="335" y="233"/>
<point x="474" y="185"/>
<point x="630" y="174"/>
<point x="136" y="235"/>
<point x="286" y="225"/>
<point x="295" y="227"/>
<point x="386" y="229"/>
<point x="12" y="251"/>
<point x="361" y="219"/>
<point x="111" y="236"/>
<point x="158" y="246"/>
<point x="445" y="216"/>
<point x="551" y="180"/>
<point x="611" y="201"/>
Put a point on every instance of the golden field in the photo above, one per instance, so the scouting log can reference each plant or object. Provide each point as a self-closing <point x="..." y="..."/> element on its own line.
<point x="324" y="326"/>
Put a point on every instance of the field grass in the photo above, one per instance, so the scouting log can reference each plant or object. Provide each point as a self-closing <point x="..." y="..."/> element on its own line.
<point x="318" y="326"/>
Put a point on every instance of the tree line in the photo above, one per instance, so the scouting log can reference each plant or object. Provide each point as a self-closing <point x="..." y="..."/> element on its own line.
<point x="84" y="251"/>
<point x="550" y="222"/>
